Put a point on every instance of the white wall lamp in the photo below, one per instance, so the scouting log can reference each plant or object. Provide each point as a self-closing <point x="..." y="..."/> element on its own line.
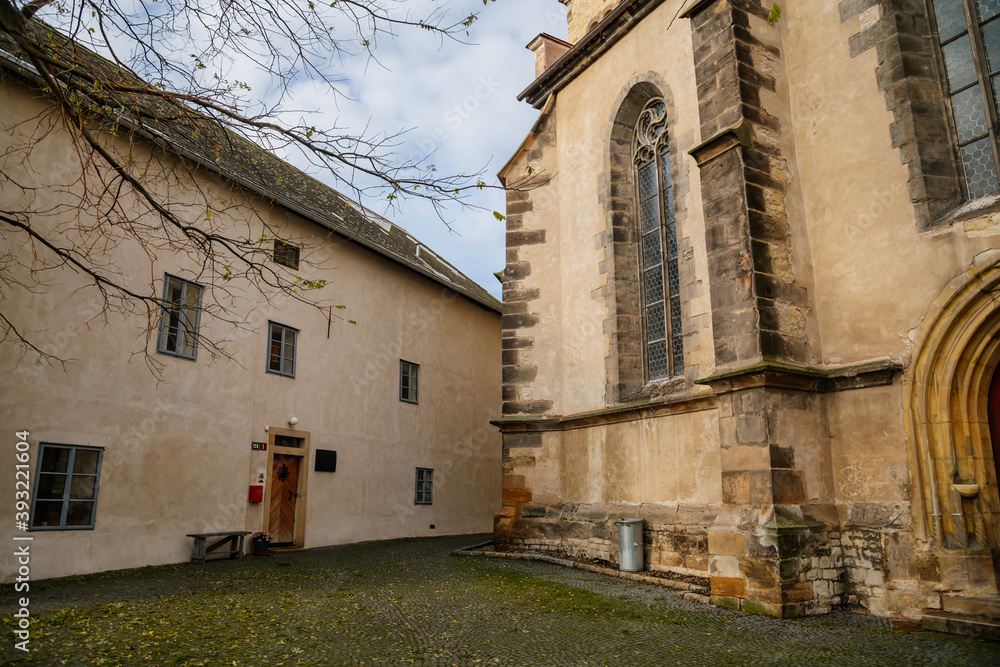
<point x="293" y="421"/>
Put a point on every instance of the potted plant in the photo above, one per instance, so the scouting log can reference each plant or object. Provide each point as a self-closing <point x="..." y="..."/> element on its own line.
<point x="260" y="541"/>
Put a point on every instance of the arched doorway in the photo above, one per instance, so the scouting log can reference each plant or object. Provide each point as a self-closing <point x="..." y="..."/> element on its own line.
<point x="954" y="406"/>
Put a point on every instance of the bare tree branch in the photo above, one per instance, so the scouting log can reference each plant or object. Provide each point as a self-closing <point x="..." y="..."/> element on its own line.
<point x="160" y="80"/>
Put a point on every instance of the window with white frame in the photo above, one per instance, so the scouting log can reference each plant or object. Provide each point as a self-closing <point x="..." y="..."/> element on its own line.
<point x="663" y="342"/>
<point x="424" y="492"/>
<point x="281" y="349"/>
<point x="969" y="34"/>
<point x="178" y="334"/>
<point x="408" y="378"/>
<point x="66" y="484"/>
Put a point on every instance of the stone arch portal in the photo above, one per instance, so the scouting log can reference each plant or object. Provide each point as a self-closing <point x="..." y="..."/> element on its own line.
<point x="952" y="410"/>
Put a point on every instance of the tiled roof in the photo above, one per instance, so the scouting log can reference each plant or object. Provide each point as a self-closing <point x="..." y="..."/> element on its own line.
<point x="186" y="132"/>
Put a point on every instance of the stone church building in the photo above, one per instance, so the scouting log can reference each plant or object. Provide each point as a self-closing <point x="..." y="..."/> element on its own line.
<point x="751" y="297"/>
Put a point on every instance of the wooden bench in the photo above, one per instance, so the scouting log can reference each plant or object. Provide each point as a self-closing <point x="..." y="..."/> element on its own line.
<point x="232" y="538"/>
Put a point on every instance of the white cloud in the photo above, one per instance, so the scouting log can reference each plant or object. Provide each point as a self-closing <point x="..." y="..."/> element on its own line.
<point x="459" y="102"/>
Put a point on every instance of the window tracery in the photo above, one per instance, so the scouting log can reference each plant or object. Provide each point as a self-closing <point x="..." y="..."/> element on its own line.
<point x="663" y="348"/>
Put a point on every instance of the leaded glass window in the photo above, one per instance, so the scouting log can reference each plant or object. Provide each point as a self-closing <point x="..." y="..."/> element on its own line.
<point x="660" y="283"/>
<point x="969" y="34"/>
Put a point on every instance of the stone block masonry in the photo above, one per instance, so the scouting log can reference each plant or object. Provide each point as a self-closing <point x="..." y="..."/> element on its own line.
<point x="758" y="307"/>
<point x="670" y="543"/>
<point x="515" y="495"/>
<point x="519" y="290"/>
<point x="783" y="530"/>
<point x="758" y="319"/>
<point x="909" y="75"/>
<point x="585" y="13"/>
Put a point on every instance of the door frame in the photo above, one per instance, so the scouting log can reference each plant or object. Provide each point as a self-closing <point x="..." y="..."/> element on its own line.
<point x="946" y="387"/>
<point x="303" y="482"/>
<point x="993" y="418"/>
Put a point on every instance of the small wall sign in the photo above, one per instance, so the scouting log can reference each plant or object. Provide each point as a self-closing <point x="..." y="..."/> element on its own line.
<point x="326" y="460"/>
<point x="258" y="446"/>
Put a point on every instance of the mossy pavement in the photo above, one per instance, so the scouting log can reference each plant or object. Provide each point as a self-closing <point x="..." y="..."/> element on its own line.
<point x="409" y="602"/>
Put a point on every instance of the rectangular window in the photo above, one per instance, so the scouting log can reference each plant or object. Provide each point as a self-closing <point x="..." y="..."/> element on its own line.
<point x="286" y="254"/>
<point x="66" y="484"/>
<point x="178" y="334"/>
<point x="281" y="352"/>
<point x="425" y="487"/>
<point x="408" y="381"/>
<point x="287" y="441"/>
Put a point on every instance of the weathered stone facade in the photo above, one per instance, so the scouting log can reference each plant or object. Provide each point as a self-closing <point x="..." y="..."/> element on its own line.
<point x="908" y="75"/>
<point x="828" y="444"/>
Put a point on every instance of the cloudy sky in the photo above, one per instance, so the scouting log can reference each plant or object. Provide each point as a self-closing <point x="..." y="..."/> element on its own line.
<point x="454" y="101"/>
<point x="457" y="100"/>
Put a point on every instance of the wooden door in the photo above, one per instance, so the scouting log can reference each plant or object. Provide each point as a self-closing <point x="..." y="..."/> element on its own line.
<point x="284" y="492"/>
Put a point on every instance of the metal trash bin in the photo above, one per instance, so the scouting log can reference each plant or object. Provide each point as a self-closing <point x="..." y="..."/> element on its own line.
<point x="630" y="545"/>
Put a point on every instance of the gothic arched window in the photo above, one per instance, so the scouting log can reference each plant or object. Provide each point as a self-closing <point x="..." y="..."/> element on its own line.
<point x="663" y="343"/>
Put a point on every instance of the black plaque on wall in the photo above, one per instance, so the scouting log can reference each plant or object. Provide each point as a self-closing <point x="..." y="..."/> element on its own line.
<point x="326" y="460"/>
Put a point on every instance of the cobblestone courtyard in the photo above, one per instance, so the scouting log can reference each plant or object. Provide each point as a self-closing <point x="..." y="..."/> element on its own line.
<point x="409" y="602"/>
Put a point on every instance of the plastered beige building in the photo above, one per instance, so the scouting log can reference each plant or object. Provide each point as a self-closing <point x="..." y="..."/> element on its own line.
<point x="349" y="432"/>
<point x="749" y="297"/>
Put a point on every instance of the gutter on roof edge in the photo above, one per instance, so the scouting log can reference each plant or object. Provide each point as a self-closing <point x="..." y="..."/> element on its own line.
<point x="341" y="228"/>
<point x="163" y="142"/>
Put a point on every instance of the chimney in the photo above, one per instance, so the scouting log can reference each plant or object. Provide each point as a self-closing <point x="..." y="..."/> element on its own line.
<point x="547" y="50"/>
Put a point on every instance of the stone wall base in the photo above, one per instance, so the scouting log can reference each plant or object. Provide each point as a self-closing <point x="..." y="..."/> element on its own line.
<point x="675" y="538"/>
<point x="780" y="561"/>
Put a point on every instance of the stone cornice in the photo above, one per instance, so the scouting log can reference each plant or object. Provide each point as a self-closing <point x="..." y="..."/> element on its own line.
<point x="615" y="415"/>
<point x="721" y="144"/>
<point x="768" y="374"/>
<point x="805" y="378"/>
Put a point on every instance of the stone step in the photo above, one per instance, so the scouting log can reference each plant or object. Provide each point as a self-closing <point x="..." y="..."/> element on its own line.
<point x="968" y="606"/>
<point x="979" y="627"/>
